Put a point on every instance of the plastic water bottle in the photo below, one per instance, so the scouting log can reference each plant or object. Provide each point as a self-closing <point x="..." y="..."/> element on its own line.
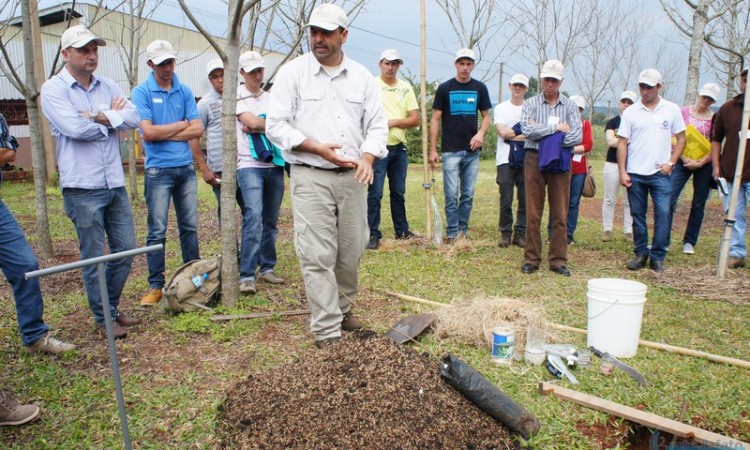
<point x="198" y="280"/>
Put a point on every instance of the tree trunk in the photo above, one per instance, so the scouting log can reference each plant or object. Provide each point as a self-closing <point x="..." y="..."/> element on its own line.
<point x="700" y="19"/>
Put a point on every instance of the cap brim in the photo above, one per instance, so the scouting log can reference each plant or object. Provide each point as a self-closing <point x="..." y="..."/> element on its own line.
<point x="84" y="42"/>
<point x="550" y="75"/>
<point x="248" y="69"/>
<point x="160" y="59"/>
<point x="330" y="26"/>
<point x="211" y="69"/>
<point x="648" y="83"/>
<point x="464" y="57"/>
<point x="400" y="61"/>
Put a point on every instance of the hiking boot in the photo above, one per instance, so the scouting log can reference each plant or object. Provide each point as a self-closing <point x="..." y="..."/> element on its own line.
<point x="637" y="263"/>
<point x="607" y="236"/>
<point x="13" y="413"/>
<point x="657" y="265"/>
<point x="735" y="262"/>
<point x="373" y="243"/>
<point x="152" y="297"/>
<point x="688" y="249"/>
<point x="350" y="323"/>
<point x="127" y="321"/>
<point x="504" y="240"/>
<point x="48" y="344"/>
<point x="270" y="277"/>
<point x="323" y="343"/>
<point x="629" y="238"/>
<point x="519" y="240"/>
<point x="408" y="235"/>
<point x="118" y="331"/>
<point x="248" y="287"/>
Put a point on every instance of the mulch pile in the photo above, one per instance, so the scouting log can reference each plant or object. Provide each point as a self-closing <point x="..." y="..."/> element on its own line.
<point x="363" y="392"/>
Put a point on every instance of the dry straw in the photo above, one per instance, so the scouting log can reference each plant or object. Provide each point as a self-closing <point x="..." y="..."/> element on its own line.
<point x="470" y="321"/>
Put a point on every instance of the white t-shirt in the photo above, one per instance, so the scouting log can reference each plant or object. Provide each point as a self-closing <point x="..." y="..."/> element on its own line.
<point x="507" y="114"/>
<point x="650" y="134"/>
<point x="257" y="105"/>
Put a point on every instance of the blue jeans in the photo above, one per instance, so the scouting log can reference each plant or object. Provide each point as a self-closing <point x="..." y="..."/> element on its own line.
<point x="459" y="168"/>
<point x="660" y="188"/>
<point x="96" y="213"/>
<point x="217" y="194"/>
<point x="160" y="186"/>
<point x="262" y="189"/>
<point x="17" y="258"/>
<point x="737" y="240"/>
<point x="576" y="191"/>
<point x="395" y="165"/>
<point x="701" y="188"/>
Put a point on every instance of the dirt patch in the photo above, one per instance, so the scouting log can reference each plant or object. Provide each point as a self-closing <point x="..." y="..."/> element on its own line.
<point x="363" y="392"/>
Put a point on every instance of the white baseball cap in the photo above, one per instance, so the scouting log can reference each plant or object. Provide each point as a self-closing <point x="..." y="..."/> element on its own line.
<point x="78" y="36"/>
<point x="711" y="91"/>
<point x="552" y="69"/>
<point x="213" y="65"/>
<point x="651" y="77"/>
<point x="519" y="78"/>
<point x="579" y="101"/>
<point x="250" y="61"/>
<point x="159" y="51"/>
<point x="465" y="53"/>
<point x="328" y="17"/>
<point x="391" y="55"/>
<point x="629" y="95"/>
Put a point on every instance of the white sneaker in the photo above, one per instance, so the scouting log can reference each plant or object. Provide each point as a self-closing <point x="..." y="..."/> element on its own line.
<point x="688" y="249"/>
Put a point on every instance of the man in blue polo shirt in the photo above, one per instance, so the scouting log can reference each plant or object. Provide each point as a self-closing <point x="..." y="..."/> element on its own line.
<point x="169" y="119"/>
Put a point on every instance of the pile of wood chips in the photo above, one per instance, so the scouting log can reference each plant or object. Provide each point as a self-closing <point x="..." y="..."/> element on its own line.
<point x="363" y="392"/>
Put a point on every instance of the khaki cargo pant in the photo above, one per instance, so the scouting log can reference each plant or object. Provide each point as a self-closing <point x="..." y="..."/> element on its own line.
<point x="330" y="234"/>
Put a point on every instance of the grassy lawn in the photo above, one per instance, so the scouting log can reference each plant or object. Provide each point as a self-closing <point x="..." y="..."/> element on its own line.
<point x="177" y="370"/>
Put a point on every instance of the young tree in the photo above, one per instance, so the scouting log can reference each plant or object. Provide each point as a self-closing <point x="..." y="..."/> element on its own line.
<point x="729" y="42"/>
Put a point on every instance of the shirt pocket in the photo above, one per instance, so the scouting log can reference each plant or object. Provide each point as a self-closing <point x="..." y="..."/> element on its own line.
<point x="356" y="103"/>
<point x="311" y="104"/>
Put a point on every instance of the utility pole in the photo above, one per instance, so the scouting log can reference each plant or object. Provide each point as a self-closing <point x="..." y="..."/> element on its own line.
<point x="500" y="85"/>
<point x="39" y="79"/>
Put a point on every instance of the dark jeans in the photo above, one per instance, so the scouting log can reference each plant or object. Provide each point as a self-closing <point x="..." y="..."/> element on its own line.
<point x="701" y="189"/>
<point x="658" y="186"/>
<point x="17" y="258"/>
<point x="162" y="185"/>
<point x="508" y="179"/>
<point x="394" y="165"/>
<point x="96" y="214"/>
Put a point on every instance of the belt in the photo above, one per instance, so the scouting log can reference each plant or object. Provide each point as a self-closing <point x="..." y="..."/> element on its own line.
<point x="395" y="147"/>
<point x="327" y="169"/>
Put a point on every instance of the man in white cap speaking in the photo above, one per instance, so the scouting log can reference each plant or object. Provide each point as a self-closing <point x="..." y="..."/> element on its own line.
<point x="401" y="108"/>
<point x="457" y="102"/>
<point x="327" y="118"/>
<point x="646" y="159"/>
<point x="169" y="119"/>
<point x="509" y="162"/>
<point x="86" y="113"/>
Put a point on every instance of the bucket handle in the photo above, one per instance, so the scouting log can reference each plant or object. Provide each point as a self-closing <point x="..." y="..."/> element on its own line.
<point x="606" y="309"/>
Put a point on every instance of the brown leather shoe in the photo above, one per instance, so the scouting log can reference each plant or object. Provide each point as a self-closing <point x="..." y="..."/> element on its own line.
<point x="350" y="323"/>
<point x="127" y="321"/>
<point x="735" y="262"/>
<point x="118" y="331"/>
<point x="323" y="343"/>
<point x="504" y="241"/>
<point x="519" y="240"/>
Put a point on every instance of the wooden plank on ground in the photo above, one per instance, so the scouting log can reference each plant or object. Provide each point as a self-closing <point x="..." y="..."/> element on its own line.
<point x="259" y="315"/>
<point x="642" y="417"/>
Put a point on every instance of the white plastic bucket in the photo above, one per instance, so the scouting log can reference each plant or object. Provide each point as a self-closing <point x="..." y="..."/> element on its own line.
<point x="615" y="312"/>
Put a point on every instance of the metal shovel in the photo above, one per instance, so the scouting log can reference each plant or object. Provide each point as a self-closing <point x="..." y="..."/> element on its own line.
<point x="410" y="327"/>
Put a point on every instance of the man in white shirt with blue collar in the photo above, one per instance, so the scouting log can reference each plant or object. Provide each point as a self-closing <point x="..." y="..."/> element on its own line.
<point x="326" y="116"/>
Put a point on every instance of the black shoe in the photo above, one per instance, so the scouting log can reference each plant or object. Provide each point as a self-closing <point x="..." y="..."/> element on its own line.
<point x="571" y="241"/>
<point x="408" y="235"/>
<point x="562" y="270"/>
<point x="529" y="268"/>
<point x="638" y="263"/>
<point x="504" y="240"/>
<point x="657" y="265"/>
<point x="373" y="243"/>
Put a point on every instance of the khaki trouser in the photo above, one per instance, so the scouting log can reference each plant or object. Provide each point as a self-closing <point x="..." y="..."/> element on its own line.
<point x="330" y="234"/>
<point x="557" y="185"/>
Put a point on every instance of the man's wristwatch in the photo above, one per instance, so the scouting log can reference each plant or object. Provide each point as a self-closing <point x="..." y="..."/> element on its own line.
<point x="670" y="164"/>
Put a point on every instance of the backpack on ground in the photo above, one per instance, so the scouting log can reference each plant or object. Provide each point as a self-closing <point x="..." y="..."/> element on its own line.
<point x="194" y="285"/>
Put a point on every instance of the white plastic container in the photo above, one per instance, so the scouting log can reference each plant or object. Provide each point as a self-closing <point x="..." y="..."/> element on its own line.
<point x="615" y="312"/>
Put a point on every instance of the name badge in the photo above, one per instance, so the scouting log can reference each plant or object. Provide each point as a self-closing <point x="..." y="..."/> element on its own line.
<point x="553" y="120"/>
<point x="157" y="100"/>
<point x="578" y="157"/>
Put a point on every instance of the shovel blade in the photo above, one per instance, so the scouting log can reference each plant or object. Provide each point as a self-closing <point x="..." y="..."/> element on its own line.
<point x="410" y="327"/>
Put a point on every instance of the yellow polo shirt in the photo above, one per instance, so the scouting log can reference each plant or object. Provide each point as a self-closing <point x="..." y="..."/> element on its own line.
<point x="397" y="102"/>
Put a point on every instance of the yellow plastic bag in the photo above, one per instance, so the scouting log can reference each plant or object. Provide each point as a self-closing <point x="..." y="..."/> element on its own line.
<point x="697" y="146"/>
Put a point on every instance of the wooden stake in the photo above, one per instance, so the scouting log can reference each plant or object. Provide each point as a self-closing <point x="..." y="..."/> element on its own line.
<point x="656" y="345"/>
<point x="642" y="417"/>
<point x="259" y="315"/>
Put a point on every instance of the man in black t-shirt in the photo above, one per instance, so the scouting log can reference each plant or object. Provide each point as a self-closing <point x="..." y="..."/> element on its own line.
<point x="455" y="108"/>
<point x="612" y="176"/>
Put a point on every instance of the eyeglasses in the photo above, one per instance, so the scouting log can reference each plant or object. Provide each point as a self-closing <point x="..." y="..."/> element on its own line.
<point x="645" y="86"/>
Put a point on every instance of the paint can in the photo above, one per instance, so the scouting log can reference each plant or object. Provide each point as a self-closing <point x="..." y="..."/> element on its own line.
<point x="503" y="342"/>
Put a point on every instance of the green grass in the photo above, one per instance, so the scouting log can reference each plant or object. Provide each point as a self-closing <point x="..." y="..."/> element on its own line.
<point x="174" y="384"/>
